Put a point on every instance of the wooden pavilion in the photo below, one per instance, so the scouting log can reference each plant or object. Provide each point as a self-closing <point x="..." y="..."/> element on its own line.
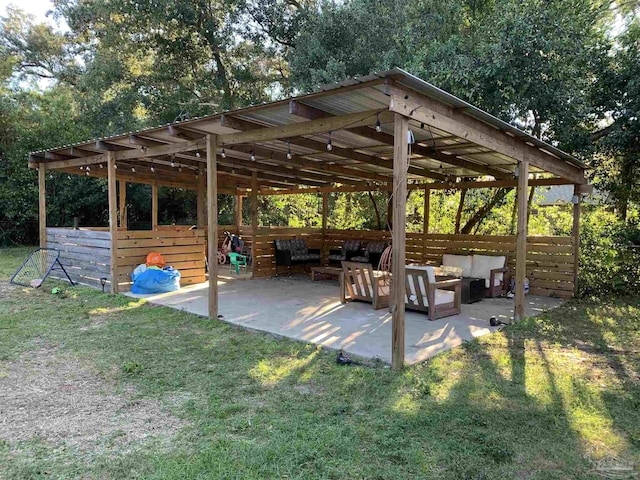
<point x="387" y="131"/>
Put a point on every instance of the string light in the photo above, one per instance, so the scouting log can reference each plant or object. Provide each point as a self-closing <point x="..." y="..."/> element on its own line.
<point x="173" y="160"/>
<point x="86" y="173"/>
<point x="180" y="169"/>
<point x="223" y="154"/>
<point x="197" y="153"/>
<point x="133" y="169"/>
<point x="152" y="169"/>
<point x="329" y="145"/>
<point x="81" y="168"/>
<point x="101" y="166"/>
<point x="253" y="156"/>
<point x="378" y="126"/>
<point x="289" y="151"/>
<point x="115" y="166"/>
<point x="88" y="168"/>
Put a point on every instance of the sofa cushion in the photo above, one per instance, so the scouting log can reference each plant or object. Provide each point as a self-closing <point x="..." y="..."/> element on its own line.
<point x="465" y="262"/>
<point x="283" y="244"/>
<point x="298" y="245"/>
<point x="351" y="246"/>
<point x="376" y="247"/>
<point x="430" y="273"/>
<point x="337" y="257"/>
<point x="364" y="259"/>
<point x="483" y="264"/>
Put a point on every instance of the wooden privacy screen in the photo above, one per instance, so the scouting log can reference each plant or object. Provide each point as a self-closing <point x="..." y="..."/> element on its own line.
<point x="182" y="248"/>
<point x="550" y="260"/>
<point x="84" y="253"/>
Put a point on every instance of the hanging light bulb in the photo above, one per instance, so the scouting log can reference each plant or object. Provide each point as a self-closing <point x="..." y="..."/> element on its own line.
<point x="253" y="156"/>
<point x="88" y="168"/>
<point x="173" y="160"/>
<point x="378" y="126"/>
<point x="180" y="169"/>
<point x="152" y="169"/>
<point x="329" y="145"/>
<point x="289" y="151"/>
<point x="86" y="173"/>
<point x="115" y="166"/>
<point x="101" y="166"/>
<point x="133" y="169"/>
<point x="81" y="168"/>
<point x="197" y="153"/>
<point x="223" y="154"/>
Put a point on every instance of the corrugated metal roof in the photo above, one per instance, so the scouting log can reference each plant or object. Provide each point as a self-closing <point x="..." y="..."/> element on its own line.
<point x="340" y="102"/>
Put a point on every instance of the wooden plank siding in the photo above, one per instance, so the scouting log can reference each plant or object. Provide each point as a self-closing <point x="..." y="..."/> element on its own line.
<point x="85" y="254"/>
<point x="182" y="248"/>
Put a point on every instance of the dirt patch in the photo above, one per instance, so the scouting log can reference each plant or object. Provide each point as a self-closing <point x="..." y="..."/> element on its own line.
<point x="58" y="400"/>
<point x="6" y="289"/>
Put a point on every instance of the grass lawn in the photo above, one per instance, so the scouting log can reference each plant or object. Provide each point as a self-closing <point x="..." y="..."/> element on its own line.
<point x="100" y="386"/>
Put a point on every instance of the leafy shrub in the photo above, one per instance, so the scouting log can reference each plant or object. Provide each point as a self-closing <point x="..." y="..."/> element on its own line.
<point x="609" y="255"/>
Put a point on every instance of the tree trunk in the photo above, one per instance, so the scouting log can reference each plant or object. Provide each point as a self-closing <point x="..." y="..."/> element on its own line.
<point x="463" y="193"/>
<point x="375" y="208"/>
<point x="484" y="211"/>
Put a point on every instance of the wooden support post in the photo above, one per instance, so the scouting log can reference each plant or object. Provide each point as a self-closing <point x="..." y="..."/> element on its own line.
<point x="122" y="185"/>
<point x="398" y="236"/>
<point x="113" y="219"/>
<point x="154" y="207"/>
<point x="201" y="210"/>
<point x="212" y="221"/>
<point x="521" y="238"/>
<point x="427" y="202"/>
<point x="425" y="223"/>
<point x="325" y="214"/>
<point x="238" y="210"/>
<point x="575" y="233"/>
<point x="42" y="205"/>
<point x="254" y="220"/>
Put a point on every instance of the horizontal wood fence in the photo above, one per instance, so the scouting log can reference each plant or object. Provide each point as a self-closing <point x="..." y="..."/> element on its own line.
<point x="550" y="260"/>
<point x="85" y="254"/>
<point x="182" y="248"/>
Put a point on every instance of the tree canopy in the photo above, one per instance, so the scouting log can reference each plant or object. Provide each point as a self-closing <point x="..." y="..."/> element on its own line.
<point x="566" y="71"/>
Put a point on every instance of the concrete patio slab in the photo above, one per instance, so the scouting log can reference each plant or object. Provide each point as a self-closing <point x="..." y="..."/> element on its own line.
<point x="311" y="312"/>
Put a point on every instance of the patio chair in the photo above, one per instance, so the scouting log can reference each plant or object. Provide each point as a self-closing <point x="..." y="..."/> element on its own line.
<point x="371" y="254"/>
<point x="360" y="282"/>
<point x="436" y="298"/>
<point x="236" y="261"/>
<point x="491" y="268"/>
<point x="348" y="250"/>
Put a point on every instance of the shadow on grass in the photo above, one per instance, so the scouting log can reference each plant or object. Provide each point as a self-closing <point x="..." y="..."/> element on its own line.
<point x="260" y="407"/>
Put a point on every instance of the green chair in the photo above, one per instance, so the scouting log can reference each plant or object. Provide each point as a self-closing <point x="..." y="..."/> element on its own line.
<point x="236" y="261"/>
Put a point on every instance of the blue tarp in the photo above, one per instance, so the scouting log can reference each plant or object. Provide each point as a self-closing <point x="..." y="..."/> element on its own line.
<point x="154" y="280"/>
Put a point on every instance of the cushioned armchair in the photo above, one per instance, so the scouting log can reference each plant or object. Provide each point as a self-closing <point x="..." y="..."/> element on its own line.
<point x="491" y="268"/>
<point x="371" y="254"/>
<point x="360" y="282"/>
<point x="424" y="294"/>
<point x="349" y="249"/>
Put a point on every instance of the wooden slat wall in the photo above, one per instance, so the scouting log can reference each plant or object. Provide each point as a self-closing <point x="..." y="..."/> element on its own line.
<point x="182" y="248"/>
<point x="550" y="260"/>
<point x="84" y="253"/>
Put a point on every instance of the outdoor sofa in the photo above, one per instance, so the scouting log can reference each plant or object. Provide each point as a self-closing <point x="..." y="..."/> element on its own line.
<point x="295" y="251"/>
<point x="491" y="268"/>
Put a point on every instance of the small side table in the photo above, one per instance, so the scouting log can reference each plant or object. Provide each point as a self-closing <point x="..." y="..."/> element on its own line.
<point x="473" y="289"/>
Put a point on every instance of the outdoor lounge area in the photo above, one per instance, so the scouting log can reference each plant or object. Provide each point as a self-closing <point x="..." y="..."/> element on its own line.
<point x="388" y="132"/>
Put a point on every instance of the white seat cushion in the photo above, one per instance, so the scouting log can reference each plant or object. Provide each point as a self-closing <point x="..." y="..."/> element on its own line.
<point x="482" y="266"/>
<point x="431" y="275"/>
<point x="465" y="262"/>
<point x="444" y="296"/>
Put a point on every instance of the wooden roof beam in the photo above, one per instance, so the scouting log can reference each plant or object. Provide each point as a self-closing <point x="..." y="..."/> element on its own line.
<point x="342" y="172"/>
<point x="237" y="124"/>
<point x="307" y="111"/>
<point x="426" y="110"/>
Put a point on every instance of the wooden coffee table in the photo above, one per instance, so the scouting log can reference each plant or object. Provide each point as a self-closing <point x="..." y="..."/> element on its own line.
<point x="325" y="271"/>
